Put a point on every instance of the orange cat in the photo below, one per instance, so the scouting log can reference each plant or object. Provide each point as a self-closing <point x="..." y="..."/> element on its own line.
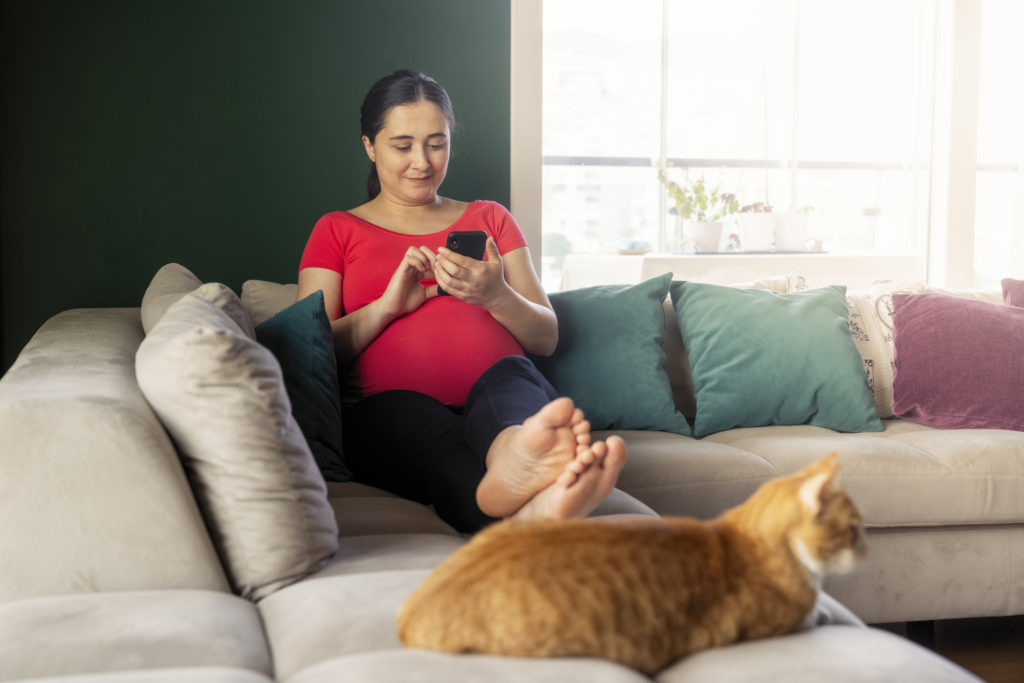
<point x="641" y="591"/>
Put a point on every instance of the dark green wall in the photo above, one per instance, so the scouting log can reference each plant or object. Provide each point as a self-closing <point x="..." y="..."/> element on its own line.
<point x="212" y="133"/>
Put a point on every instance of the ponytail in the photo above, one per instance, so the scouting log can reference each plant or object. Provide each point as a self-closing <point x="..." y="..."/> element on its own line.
<point x="372" y="182"/>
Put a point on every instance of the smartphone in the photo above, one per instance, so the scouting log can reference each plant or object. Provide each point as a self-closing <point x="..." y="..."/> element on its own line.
<point x="468" y="243"/>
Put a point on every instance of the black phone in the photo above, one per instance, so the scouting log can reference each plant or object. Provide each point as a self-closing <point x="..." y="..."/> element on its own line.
<point x="468" y="243"/>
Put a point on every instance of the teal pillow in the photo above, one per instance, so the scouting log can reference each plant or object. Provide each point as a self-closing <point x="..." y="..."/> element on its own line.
<point x="610" y="360"/>
<point x="761" y="358"/>
<point x="301" y="340"/>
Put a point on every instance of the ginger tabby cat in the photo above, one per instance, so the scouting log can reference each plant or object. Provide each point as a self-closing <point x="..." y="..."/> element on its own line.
<point x="641" y="591"/>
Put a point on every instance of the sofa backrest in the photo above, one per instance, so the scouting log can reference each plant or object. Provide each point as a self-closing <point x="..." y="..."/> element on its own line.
<point x="92" y="493"/>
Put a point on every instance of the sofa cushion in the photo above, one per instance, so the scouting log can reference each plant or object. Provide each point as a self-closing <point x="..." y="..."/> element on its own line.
<point x="831" y="653"/>
<point x="677" y="363"/>
<point x="185" y="674"/>
<point x="263" y="299"/>
<point x="1013" y="292"/>
<point x="221" y="396"/>
<point x="396" y="666"/>
<point x="170" y="283"/>
<point x="760" y="358"/>
<point x="124" y="631"/>
<point x="959" y="362"/>
<point x="610" y="359"/>
<point x="300" y="338"/>
<point x="908" y="475"/>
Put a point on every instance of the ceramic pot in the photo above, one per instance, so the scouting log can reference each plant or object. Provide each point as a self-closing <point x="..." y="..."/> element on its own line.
<point x="791" y="231"/>
<point x="707" y="234"/>
<point x="757" y="231"/>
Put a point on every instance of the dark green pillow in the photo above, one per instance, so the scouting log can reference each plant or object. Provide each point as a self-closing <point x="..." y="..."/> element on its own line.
<point x="301" y="340"/>
<point x="610" y="360"/>
<point x="761" y="358"/>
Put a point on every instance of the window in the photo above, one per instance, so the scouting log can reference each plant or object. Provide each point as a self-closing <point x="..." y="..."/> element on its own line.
<point x="824" y="104"/>
<point x="999" y="204"/>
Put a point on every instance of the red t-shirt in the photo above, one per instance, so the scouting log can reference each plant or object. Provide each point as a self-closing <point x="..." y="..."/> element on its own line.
<point x="441" y="348"/>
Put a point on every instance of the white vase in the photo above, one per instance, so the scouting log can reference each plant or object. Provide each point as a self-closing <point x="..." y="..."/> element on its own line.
<point x="791" y="231"/>
<point x="707" y="234"/>
<point x="757" y="231"/>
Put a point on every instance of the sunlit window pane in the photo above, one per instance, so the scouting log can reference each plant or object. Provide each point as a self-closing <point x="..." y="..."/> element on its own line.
<point x="864" y="76"/>
<point x="594" y="209"/>
<point x="999" y="200"/>
<point x="730" y="75"/>
<point x="602" y="82"/>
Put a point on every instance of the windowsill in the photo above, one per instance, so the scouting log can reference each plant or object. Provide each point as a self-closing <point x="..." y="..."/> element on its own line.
<point x="856" y="271"/>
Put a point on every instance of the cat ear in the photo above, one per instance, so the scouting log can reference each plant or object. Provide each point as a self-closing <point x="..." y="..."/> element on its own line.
<point x="818" y="486"/>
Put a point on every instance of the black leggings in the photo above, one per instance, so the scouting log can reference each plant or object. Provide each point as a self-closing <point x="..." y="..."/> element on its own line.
<point x="416" y="447"/>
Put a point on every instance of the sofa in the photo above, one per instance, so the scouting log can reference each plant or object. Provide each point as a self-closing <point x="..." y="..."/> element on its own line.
<point x="166" y="514"/>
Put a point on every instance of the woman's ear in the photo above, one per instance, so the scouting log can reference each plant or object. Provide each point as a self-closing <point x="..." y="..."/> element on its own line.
<point x="369" y="148"/>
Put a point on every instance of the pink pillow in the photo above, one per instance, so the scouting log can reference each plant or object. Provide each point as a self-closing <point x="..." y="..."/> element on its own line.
<point x="959" y="362"/>
<point x="1013" y="292"/>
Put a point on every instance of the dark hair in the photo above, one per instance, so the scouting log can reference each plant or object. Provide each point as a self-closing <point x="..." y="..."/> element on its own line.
<point x="401" y="87"/>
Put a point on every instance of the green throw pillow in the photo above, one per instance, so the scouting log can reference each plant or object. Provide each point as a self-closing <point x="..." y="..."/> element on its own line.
<point x="760" y="358"/>
<point x="301" y="340"/>
<point x="610" y="360"/>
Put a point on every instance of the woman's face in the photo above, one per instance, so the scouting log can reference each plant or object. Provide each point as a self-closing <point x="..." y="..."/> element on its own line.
<point x="411" y="152"/>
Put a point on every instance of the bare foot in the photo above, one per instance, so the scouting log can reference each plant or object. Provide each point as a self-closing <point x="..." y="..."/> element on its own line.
<point x="577" y="494"/>
<point x="526" y="459"/>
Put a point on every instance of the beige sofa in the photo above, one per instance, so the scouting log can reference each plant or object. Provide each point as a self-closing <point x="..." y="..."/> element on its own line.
<point x="118" y="565"/>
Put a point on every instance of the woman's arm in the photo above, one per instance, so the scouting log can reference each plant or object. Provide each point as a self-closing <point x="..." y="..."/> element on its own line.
<point x="508" y="287"/>
<point x="354" y="332"/>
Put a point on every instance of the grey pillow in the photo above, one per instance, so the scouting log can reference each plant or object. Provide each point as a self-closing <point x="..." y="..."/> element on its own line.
<point x="170" y="283"/>
<point x="221" y="397"/>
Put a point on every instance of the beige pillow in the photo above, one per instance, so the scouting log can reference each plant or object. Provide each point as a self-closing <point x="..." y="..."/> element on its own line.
<point x="221" y="397"/>
<point x="170" y="283"/>
<point x="263" y="300"/>
<point x="871" y="329"/>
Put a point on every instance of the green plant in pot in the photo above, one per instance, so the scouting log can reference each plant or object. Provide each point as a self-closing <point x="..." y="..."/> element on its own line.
<point x="702" y="208"/>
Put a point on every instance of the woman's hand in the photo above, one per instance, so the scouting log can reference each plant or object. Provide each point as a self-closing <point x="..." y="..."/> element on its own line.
<point x="404" y="293"/>
<point x="481" y="283"/>
<point x="508" y="288"/>
<point x="357" y="330"/>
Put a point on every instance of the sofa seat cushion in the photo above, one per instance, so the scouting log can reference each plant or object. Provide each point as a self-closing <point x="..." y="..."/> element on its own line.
<point x="322" y="618"/>
<point x="838" y="653"/>
<point x="349" y="608"/>
<point x="906" y="475"/>
<point x="192" y="674"/>
<point x="397" y="666"/>
<point x="362" y="510"/>
<point x="832" y="653"/>
<point x="125" y="631"/>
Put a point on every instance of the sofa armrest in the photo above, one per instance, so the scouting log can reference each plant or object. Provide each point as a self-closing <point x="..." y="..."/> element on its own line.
<point x="93" y="496"/>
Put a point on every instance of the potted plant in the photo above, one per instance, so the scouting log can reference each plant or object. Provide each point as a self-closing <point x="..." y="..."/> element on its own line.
<point x="701" y="208"/>
<point x="756" y="225"/>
